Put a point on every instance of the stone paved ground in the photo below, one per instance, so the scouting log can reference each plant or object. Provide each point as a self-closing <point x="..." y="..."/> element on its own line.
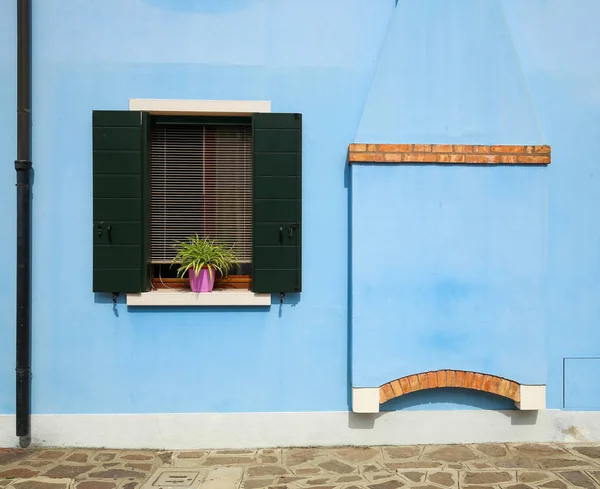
<point x="507" y="466"/>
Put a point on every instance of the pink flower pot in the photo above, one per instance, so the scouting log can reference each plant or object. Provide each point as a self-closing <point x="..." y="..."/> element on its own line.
<point x="202" y="282"/>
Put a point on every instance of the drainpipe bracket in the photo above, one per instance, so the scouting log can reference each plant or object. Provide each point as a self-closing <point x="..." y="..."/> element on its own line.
<point x="23" y="165"/>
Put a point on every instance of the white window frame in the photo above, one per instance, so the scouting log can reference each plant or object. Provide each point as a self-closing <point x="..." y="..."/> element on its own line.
<point x="172" y="297"/>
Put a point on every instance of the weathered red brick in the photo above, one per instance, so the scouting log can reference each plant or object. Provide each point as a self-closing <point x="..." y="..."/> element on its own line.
<point x="382" y="396"/>
<point x="431" y="379"/>
<point x="396" y="148"/>
<point x="441" y="378"/>
<point x="505" y="148"/>
<point x="460" y="378"/>
<point x="508" y="158"/>
<point x="371" y="147"/>
<point x="357" y="147"/>
<point x="483" y="158"/>
<point x="423" y="148"/>
<point x="396" y="388"/>
<point x="393" y="157"/>
<point x="463" y="148"/>
<point x="450" y="378"/>
<point x="481" y="149"/>
<point x="389" y="393"/>
<point x="478" y="382"/>
<point x="469" y="379"/>
<point x="450" y="158"/>
<point x="541" y="160"/>
<point x="420" y="157"/>
<point x="487" y="380"/>
<point x="405" y="384"/>
<point x="441" y="148"/>
<point x="413" y="380"/>
<point x="373" y="157"/>
<point x="542" y="149"/>
<point x="423" y="381"/>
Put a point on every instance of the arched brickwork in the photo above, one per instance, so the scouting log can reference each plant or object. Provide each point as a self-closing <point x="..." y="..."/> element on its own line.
<point x="450" y="378"/>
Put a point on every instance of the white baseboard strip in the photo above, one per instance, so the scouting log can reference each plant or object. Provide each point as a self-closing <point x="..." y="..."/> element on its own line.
<point x="252" y="430"/>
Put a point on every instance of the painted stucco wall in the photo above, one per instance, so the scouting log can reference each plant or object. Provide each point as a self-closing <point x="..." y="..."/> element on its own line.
<point x="97" y="55"/>
<point x="490" y="267"/>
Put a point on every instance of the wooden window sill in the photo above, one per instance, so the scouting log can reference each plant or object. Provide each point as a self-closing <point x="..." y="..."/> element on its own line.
<point x="182" y="297"/>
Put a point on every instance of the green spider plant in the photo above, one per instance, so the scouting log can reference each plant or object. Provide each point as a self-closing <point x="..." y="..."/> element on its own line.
<point x="197" y="253"/>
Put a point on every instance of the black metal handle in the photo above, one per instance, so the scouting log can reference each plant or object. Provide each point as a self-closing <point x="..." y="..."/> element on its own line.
<point x="109" y="231"/>
<point x="281" y="234"/>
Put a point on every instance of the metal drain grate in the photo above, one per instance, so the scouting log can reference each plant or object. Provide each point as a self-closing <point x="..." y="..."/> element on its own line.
<point x="174" y="478"/>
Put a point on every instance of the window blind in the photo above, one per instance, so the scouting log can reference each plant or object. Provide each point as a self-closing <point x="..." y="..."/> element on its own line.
<point x="201" y="183"/>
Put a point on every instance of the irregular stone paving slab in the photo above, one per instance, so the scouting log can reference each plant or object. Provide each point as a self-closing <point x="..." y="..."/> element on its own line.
<point x="139" y="466"/>
<point x="96" y="485"/>
<point x="18" y="473"/>
<point x="116" y="474"/>
<point x="105" y="457"/>
<point x="561" y="463"/>
<point x="337" y="467"/>
<point x="358" y="454"/>
<point x="128" y="485"/>
<point x="256" y="483"/>
<point x="592" y="452"/>
<point x="555" y="484"/>
<point x="262" y="470"/>
<point x="487" y="477"/>
<point x="494" y="450"/>
<point x="390" y="484"/>
<point x="475" y="466"/>
<point x="9" y="456"/>
<point x="137" y="456"/>
<point x="537" y="449"/>
<point x="349" y="478"/>
<point x="37" y="464"/>
<point x="42" y="483"/>
<point x="51" y="454"/>
<point x="235" y="452"/>
<point x="517" y="463"/>
<point x="413" y="465"/>
<point x="304" y="470"/>
<point x="300" y="456"/>
<point x="413" y="476"/>
<point x="446" y="479"/>
<point x="223" y="478"/>
<point x="518" y="486"/>
<point x="165" y="457"/>
<point x="78" y="457"/>
<point x="64" y="471"/>
<point x="450" y="453"/>
<point x="401" y="452"/>
<point x="224" y="460"/>
<point x="529" y="477"/>
<point x="579" y="479"/>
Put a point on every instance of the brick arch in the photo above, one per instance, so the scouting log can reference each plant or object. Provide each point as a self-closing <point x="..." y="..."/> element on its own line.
<point x="450" y="378"/>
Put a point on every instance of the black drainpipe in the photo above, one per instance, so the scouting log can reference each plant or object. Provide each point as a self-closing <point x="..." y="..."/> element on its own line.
<point x="24" y="169"/>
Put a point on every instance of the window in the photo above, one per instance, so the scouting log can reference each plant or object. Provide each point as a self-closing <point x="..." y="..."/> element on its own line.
<point x="201" y="183"/>
<point x="159" y="179"/>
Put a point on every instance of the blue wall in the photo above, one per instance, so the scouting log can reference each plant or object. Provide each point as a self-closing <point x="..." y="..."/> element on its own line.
<point x="483" y="268"/>
<point x="494" y="270"/>
<point x="98" y="56"/>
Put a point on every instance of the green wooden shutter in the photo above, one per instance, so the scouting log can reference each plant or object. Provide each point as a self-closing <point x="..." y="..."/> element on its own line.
<point x="277" y="209"/>
<point x="121" y="201"/>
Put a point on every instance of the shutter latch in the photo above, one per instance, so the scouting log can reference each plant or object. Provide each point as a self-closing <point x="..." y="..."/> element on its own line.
<point x="281" y="297"/>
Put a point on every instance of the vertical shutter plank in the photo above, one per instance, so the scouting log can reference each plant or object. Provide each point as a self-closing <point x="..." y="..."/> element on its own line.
<point x="277" y="190"/>
<point x="119" y="167"/>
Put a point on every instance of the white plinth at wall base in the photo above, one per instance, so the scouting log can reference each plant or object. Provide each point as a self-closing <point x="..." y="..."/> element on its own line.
<point x="295" y="429"/>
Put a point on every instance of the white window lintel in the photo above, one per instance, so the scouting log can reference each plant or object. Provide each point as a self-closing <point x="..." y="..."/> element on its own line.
<point x="199" y="107"/>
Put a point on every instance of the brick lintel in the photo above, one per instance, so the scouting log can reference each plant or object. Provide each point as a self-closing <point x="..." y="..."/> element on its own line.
<point x="450" y="154"/>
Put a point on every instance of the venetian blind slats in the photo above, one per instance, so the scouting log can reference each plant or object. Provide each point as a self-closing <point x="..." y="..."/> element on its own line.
<point x="201" y="181"/>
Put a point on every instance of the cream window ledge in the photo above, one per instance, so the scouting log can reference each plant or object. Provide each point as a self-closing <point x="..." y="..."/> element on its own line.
<point x="229" y="297"/>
